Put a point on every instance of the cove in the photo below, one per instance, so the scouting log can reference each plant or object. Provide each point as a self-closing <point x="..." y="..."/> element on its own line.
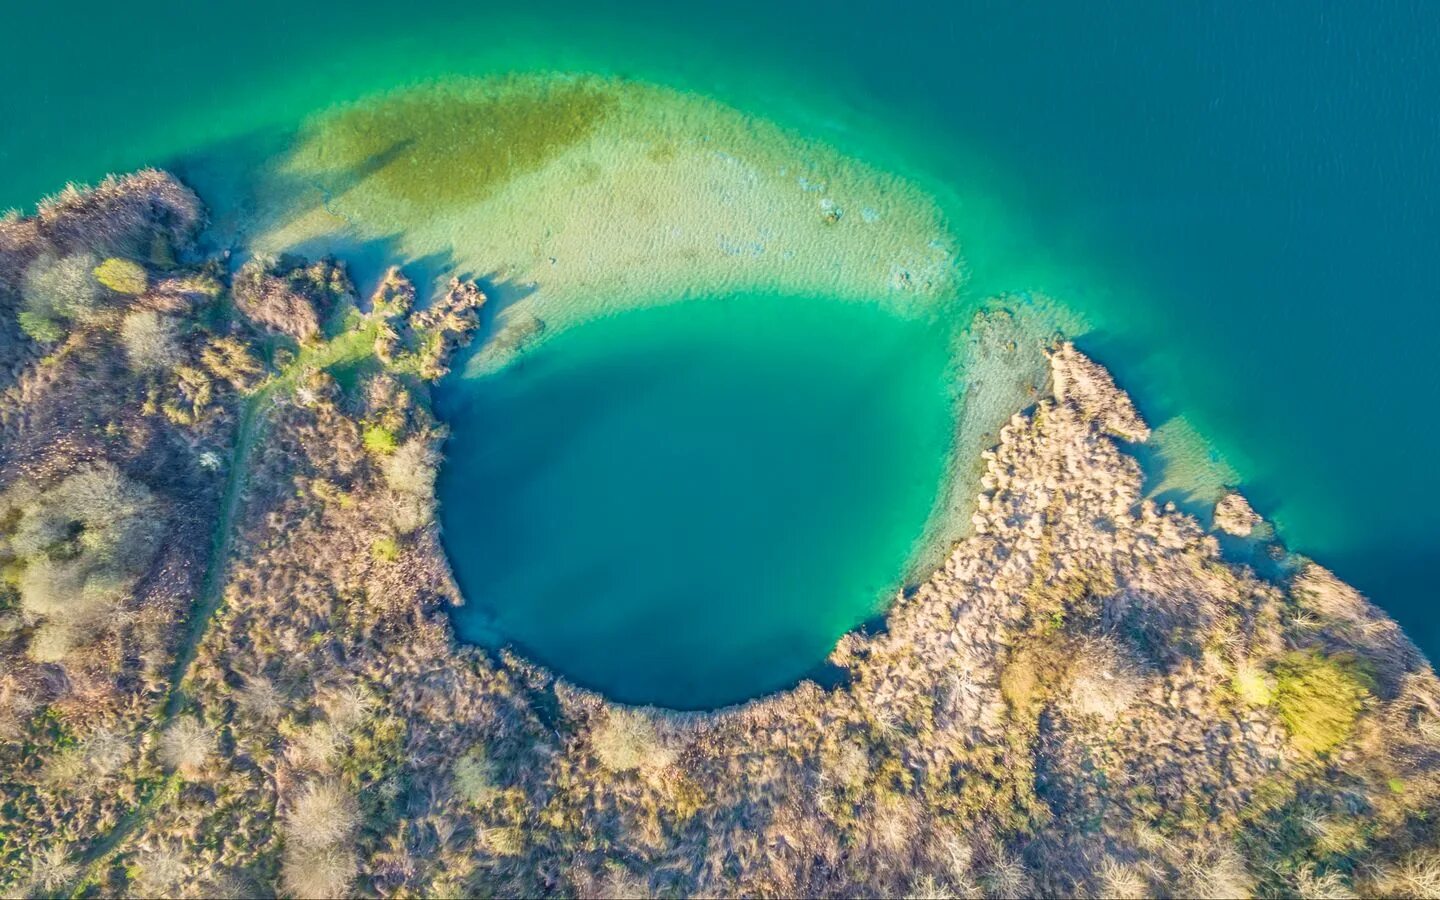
<point x="687" y="505"/>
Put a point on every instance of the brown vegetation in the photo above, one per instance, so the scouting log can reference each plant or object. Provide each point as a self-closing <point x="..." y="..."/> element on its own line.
<point x="1084" y="699"/>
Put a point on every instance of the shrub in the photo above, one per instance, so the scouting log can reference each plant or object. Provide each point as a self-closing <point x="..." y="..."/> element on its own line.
<point x="318" y="871"/>
<point x="1020" y="682"/>
<point x="122" y="276"/>
<point x="151" y="340"/>
<point x="1319" y="698"/>
<point x="324" y="815"/>
<point x="627" y="741"/>
<point x="62" y="287"/>
<point x="380" y="440"/>
<point x="475" y="777"/>
<point x="40" y="327"/>
<point x="231" y="360"/>
<point x="82" y="544"/>
<point x="290" y="299"/>
<point x="1253" y="686"/>
<point x="185" y="745"/>
<point x="385" y="550"/>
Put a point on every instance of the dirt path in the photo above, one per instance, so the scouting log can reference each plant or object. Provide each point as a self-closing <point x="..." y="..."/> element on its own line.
<point x="347" y="347"/>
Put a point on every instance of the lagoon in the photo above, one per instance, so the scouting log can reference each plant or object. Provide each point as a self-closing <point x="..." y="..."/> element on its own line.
<point x="687" y="505"/>
<point x="1238" y="201"/>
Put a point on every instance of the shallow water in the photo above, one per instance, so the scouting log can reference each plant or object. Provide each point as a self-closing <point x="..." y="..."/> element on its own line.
<point x="1239" y="200"/>
<point x="687" y="505"/>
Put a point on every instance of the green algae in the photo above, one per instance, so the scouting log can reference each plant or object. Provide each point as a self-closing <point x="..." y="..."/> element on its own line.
<point x="448" y="146"/>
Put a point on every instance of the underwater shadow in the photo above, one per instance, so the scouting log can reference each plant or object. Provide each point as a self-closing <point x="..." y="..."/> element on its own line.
<point x="244" y="183"/>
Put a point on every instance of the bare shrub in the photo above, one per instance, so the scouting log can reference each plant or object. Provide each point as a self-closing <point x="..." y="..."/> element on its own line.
<point x="1217" y="873"/>
<point x="1122" y="882"/>
<point x="186" y="744"/>
<point x="16" y="707"/>
<point x="1417" y="875"/>
<point x="158" y="873"/>
<point x="318" y="871"/>
<point x="1312" y="885"/>
<point x="260" y="699"/>
<point x="1104" y="679"/>
<point x="850" y="766"/>
<point x="319" y="861"/>
<point x="53" y="642"/>
<point x="82" y="544"/>
<point x="620" y="883"/>
<point x="410" y="472"/>
<point x="152" y="341"/>
<point x="52" y="869"/>
<point x="1005" y="877"/>
<point x="346" y="707"/>
<point x="62" y="288"/>
<point x="323" y="815"/>
<point x="627" y="741"/>
<point x="106" y="753"/>
<point x="315" y="746"/>
<point x="928" y="887"/>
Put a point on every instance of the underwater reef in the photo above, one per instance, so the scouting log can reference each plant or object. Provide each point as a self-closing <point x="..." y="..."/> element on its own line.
<point x="228" y="667"/>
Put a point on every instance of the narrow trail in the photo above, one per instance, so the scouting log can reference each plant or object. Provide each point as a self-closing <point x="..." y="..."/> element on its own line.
<point x="346" y="347"/>
<point x="212" y="589"/>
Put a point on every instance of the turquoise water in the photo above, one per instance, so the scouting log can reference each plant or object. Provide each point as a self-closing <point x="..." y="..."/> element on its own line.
<point x="687" y="505"/>
<point x="1240" y="199"/>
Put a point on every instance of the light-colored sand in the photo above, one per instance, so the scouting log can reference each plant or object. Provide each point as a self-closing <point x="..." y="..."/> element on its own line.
<point x="664" y="195"/>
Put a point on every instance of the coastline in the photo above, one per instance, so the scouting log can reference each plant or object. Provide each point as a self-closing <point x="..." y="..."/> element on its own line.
<point x="1039" y="716"/>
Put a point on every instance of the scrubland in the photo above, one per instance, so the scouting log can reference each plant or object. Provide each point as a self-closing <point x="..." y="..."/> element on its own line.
<point x="226" y="666"/>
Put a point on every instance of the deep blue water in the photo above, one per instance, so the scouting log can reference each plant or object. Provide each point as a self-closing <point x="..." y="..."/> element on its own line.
<point x="688" y="505"/>
<point x="1241" y="197"/>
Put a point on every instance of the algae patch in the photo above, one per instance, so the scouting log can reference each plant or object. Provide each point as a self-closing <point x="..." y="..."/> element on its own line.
<point x="446" y="146"/>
